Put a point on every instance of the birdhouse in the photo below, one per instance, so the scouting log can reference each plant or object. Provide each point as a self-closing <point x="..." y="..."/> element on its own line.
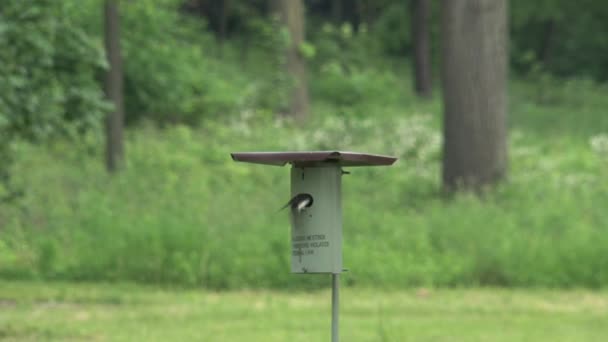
<point x="316" y="206"/>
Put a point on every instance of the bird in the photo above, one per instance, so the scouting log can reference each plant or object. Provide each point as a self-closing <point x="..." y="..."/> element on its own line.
<point x="299" y="202"/>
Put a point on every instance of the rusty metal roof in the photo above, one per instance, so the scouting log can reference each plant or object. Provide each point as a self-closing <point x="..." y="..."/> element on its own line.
<point x="313" y="157"/>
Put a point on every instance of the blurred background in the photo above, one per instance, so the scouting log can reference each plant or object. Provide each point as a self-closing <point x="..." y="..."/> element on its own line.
<point x="117" y="119"/>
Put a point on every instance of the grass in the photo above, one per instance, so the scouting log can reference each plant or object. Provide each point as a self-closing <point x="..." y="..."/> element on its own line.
<point x="31" y="311"/>
<point x="168" y="217"/>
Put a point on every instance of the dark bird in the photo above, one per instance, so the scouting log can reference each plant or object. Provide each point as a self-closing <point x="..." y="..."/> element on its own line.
<point x="299" y="202"/>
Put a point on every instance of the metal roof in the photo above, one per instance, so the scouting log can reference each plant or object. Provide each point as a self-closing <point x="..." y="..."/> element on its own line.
<point x="304" y="158"/>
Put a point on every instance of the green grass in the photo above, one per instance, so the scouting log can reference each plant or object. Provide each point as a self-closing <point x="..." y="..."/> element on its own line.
<point x="183" y="213"/>
<point x="59" y="311"/>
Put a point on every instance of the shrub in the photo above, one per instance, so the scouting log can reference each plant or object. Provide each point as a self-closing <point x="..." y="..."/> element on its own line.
<point x="184" y="213"/>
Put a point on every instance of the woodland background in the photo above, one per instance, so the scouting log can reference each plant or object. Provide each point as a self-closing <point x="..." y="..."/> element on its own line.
<point x="201" y="79"/>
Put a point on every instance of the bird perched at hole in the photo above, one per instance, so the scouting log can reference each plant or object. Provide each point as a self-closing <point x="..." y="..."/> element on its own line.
<point x="299" y="202"/>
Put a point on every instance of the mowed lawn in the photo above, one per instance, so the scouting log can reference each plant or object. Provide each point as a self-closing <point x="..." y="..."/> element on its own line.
<point x="90" y="312"/>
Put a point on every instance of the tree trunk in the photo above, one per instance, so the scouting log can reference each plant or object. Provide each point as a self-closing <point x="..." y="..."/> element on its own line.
<point x="358" y="15"/>
<point x="114" y="88"/>
<point x="474" y="77"/>
<point x="336" y="11"/>
<point x="223" y="23"/>
<point x="292" y="13"/>
<point x="420" y="37"/>
<point x="544" y="51"/>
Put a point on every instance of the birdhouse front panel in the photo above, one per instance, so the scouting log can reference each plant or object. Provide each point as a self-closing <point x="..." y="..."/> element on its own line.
<point x="316" y="219"/>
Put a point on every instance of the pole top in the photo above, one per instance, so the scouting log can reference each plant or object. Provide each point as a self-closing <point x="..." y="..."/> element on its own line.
<point x="312" y="158"/>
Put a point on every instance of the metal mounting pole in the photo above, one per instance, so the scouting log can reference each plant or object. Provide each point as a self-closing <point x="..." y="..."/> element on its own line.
<point x="335" y="306"/>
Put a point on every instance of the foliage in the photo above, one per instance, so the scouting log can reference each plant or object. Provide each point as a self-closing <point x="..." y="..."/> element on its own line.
<point x="393" y="28"/>
<point x="48" y="68"/>
<point x="567" y="37"/>
<point x="170" y="70"/>
<point x="182" y="211"/>
<point x="169" y="75"/>
<point x="353" y="81"/>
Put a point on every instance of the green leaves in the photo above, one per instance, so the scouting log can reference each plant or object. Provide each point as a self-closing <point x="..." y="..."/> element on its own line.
<point x="307" y="50"/>
<point x="47" y="71"/>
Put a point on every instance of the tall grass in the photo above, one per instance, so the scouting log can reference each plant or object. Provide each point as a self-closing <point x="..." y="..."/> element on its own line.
<point x="182" y="212"/>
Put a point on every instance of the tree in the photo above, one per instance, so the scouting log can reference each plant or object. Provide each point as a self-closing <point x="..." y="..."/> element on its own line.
<point x="420" y="38"/>
<point x="114" y="88"/>
<point x="547" y="38"/>
<point x="223" y="24"/>
<point x="336" y="11"/>
<point x="48" y="83"/>
<point x="474" y="78"/>
<point x="292" y="14"/>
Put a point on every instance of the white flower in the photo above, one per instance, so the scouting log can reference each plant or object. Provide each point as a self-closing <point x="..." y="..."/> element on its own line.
<point x="599" y="144"/>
